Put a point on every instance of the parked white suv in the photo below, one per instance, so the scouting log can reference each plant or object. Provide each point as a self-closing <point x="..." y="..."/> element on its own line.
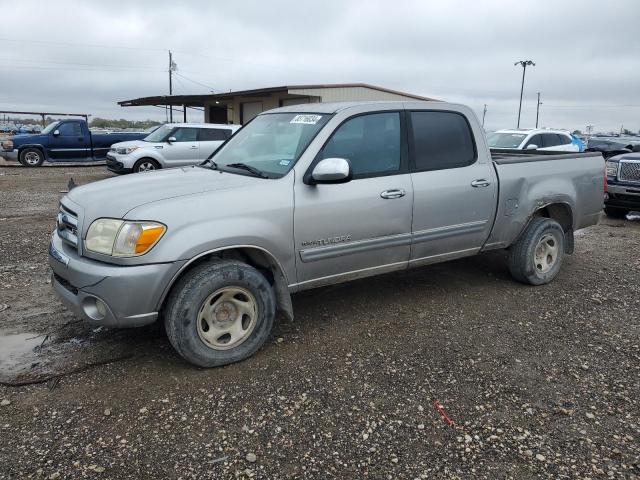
<point x="534" y="139"/>
<point x="170" y="145"/>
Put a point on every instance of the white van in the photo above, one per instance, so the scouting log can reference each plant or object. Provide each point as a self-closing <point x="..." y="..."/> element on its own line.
<point x="170" y="145"/>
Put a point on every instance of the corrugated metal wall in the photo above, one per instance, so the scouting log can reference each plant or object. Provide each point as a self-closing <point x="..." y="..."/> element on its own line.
<point x="347" y="94"/>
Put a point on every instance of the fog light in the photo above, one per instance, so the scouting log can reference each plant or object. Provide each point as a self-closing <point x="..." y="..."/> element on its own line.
<point x="101" y="307"/>
<point x="94" y="308"/>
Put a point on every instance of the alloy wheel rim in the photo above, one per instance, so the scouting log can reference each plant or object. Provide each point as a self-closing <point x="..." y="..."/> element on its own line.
<point x="146" y="166"/>
<point x="227" y="318"/>
<point x="32" y="158"/>
<point x="546" y="252"/>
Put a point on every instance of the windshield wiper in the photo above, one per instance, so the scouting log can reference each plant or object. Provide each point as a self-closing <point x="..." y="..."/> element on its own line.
<point x="243" y="166"/>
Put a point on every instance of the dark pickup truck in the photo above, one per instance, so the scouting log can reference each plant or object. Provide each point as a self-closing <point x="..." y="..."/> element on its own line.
<point x="63" y="141"/>
<point x="623" y="185"/>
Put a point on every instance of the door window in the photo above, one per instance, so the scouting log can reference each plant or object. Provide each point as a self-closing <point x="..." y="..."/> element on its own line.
<point x="370" y="142"/>
<point x="551" y="140"/>
<point x="441" y="140"/>
<point x="214" y="134"/>
<point x="535" y="140"/>
<point x="184" y="134"/>
<point x="70" y="129"/>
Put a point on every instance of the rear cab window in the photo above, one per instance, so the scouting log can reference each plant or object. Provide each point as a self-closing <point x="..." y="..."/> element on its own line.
<point x="440" y="140"/>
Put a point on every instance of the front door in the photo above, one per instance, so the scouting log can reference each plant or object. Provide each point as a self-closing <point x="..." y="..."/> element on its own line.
<point x="361" y="227"/>
<point x="454" y="190"/>
<point x="69" y="143"/>
<point x="184" y="150"/>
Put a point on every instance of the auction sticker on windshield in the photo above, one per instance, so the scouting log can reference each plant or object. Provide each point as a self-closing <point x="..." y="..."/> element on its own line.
<point x="306" y="119"/>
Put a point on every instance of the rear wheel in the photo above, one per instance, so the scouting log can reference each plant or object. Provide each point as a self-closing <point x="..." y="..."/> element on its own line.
<point x="219" y="313"/>
<point x="614" y="212"/>
<point x="31" y="157"/>
<point x="146" y="165"/>
<point x="537" y="256"/>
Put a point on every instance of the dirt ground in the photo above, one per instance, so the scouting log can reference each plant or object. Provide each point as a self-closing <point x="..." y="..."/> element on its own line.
<point x="539" y="382"/>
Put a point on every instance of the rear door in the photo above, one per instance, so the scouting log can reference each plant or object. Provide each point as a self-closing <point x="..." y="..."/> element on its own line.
<point x="454" y="190"/>
<point x="363" y="226"/>
<point x="184" y="150"/>
<point x="210" y="140"/>
<point x="68" y="142"/>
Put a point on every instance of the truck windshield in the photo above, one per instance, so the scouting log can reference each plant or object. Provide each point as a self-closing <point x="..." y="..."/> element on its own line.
<point x="49" y="128"/>
<point x="159" y="134"/>
<point x="505" y="140"/>
<point x="271" y="143"/>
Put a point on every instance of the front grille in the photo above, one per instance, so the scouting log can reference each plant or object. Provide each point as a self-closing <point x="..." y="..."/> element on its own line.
<point x="629" y="171"/>
<point x="68" y="226"/>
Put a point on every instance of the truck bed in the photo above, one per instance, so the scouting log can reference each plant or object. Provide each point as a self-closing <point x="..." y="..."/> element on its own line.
<point x="529" y="181"/>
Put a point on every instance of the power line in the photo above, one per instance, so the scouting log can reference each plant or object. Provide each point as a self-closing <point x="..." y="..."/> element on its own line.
<point x="137" y="67"/>
<point x="194" y="81"/>
<point x="69" y="44"/>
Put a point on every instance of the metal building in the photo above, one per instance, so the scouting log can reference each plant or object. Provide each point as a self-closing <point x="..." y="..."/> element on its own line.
<point x="241" y="106"/>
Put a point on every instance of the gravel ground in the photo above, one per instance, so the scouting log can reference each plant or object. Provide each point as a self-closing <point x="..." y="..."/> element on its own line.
<point x="537" y="382"/>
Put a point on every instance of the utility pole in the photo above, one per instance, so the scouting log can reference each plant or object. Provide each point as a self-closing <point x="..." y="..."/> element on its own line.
<point x="171" y="66"/>
<point x="484" y="113"/>
<point x="538" y="110"/>
<point x="524" y="64"/>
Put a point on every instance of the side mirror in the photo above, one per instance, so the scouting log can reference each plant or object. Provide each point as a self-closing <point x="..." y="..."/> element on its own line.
<point x="532" y="146"/>
<point x="56" y="133"/>
<point x="332" y="170"/>
<point x="171" y="139"/>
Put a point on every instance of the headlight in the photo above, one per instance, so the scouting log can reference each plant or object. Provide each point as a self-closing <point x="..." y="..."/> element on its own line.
<point x="126" y="150"/>
<point x="7" y="145"/>
<point x="612" y="169"/>
<point x="120" y="238"/>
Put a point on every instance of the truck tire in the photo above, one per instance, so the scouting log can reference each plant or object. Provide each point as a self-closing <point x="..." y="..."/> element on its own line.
<point x="614" y="212"/>
<point x="220" y="312"/>
<point x="146" y="165"/>
<point x="31" y="157"/>
<point x="537" y="256"/>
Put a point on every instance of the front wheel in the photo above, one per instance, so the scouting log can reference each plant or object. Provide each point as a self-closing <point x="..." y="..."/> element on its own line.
<point x="537" y="256"/>
<point x="31" y="157"/>
<point x="220" y="313"/>
<point x="146" y="165"/>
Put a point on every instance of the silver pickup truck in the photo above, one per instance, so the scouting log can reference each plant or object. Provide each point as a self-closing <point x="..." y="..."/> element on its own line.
<point x="305" y="196"/>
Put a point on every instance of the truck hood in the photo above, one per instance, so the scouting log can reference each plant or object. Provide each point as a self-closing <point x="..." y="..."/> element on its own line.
<point x="114" y="197"/>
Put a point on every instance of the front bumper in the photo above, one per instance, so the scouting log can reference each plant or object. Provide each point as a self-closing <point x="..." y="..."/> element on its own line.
<point x="117" y="166"/>
<point x="10" y="154"/>
<point x="623" y="196"/>
<point x="106" y="294"/>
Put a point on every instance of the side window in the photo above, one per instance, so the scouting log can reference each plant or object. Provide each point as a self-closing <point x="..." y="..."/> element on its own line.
<point x="70" y="129"/>
<point x="214" y="134"/>
<point x="535" y="140"/>
<point x="564" y="139"/>
<point x="184" y="134"/>
<point x="371" y="142"/>
<point x="441" y="140"/>
<point x="553" y="140"/>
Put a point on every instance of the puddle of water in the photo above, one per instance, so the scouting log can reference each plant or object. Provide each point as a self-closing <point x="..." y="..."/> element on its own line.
<point x="17" y="352"/>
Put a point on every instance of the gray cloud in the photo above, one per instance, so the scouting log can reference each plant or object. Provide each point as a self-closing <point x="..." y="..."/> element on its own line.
<point x="587" y="53"/>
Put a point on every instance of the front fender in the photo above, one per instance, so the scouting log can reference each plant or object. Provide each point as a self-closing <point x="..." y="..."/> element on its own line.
<point x="39" y="146"/>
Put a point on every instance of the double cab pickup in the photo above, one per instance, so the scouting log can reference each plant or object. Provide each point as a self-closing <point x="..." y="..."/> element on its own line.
<point x="305" y="196"/>
<point x="63" y="141"/>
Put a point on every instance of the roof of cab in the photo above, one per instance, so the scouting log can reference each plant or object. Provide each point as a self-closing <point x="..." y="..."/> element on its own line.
<point x="333" y="107"/>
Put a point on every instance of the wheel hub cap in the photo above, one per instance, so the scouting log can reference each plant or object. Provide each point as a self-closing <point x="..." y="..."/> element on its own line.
<point x="546" y="253"/>
<point x="227" y="318"/>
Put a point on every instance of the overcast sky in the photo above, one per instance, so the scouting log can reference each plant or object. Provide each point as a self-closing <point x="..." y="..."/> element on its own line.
<point x="80" y="56"/>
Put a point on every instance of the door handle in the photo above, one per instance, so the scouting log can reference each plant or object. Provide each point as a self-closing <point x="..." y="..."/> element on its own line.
<point x="193" y="147"/>
<point x="481" y="182"/>
<point x="393" y="193"/>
